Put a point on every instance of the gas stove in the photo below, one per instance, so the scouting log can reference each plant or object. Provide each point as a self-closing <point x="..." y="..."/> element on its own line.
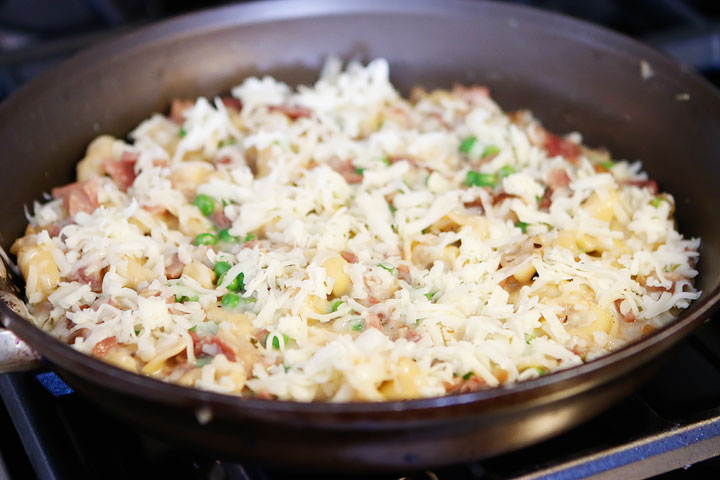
<point x="669" y="429"/>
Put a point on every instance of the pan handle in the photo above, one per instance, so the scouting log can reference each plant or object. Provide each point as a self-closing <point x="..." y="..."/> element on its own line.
<point x="16" y="355"/>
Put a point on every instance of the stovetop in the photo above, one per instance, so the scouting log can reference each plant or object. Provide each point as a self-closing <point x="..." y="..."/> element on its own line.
<point x="670" y="428"/>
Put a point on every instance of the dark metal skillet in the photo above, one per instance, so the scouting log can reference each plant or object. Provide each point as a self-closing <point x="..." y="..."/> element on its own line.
<point x="574" y="76"/>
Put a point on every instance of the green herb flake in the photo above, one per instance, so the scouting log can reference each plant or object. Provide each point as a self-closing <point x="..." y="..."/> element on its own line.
<point x="227" y="143"/>
<point x="392" y="209"/>
<point x="359" y="171"/>
<point x="180" y="299"/>
<point x="137" y="331"/>
<point x="467" y="144"/>
<point x="429" y="296"/>
<point x="205" y="239"/>
<point x="657" y="201"/>
<point x="541" y="371"/>
<point x="477" y="179"/>
<point x="608" y="164"/>
<point x="202" y="361"/>
<point x="249" y="237"/>
<point x="385" y="160"/>
<point x="468" y="375"/>
<point x="392" y="270"/>
<point x="194" y="298"/>
<point x="489" y="151"/>
<point x="522" y="226"/>
<point x="529" y="337"/>
<point x="205" y="203"/>
<point x="182" y="132"/>
<point x="335" y="306"/>
<point x="506" y="171"/>
<point x="192" y="329"/>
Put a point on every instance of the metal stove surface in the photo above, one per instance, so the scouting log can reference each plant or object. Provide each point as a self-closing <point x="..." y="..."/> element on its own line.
<point x="670" y="428"/>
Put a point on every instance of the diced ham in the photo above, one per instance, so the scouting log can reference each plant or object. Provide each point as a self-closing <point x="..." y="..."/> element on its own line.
<point x="477" y="203"/>
<point x="174" y="268"/>
<point x="399" y="158"/>
<point x="501" y="197"/>
<point x="78" y="197"/>
<point x="558" y="178"/>
<point x="94" y="278"/>
<point x="404" y="273"/>
<point x="649" y="184"/>
<point x="349" y="256"/>
<point x="346" y="169"/>
<point x="178" y="108"/>
<point x="546" y="199"/>
<point x="199" y="341"/>
<point x="104" y="346"/>
<point x="471" y="94"/>
<point x="220" y="220"/>
<point x="628" y="317"/>
<point x="461" y="385"/>
<point x="155" y="209"/>
<point x="122" y="171"/>
<point x="232" y="103"/>
<point x="555" y="146"/>
<point x="293" y="112"/>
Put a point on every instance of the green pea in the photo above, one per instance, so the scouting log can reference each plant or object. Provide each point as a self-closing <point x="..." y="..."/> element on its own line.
<point x="357" y="325"/>
<point x="205" y="203"/>
<point x="230" y="300"/>
<point x="236" y="284"/>
<point x="205" y="239"/>
<point x="477" y="179"/>
<point x="221" y="269"/>
<point x="225" y="236"/>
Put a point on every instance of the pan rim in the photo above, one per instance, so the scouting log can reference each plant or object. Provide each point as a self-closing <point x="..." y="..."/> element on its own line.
<point x="235" y="16"/>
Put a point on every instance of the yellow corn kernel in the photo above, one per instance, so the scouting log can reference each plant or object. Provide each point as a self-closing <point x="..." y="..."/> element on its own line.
<point x="201" y="274"/>
<point x="525" y="273"/>
<point x="601" y="207"/>
<point x="404" y="382"/>
<point x="121" y="357"/>
<point x="98" y="151"/>
<point x="40" y="271"/>
<point x="134" y="272"/>
<point x="334" y="266"/>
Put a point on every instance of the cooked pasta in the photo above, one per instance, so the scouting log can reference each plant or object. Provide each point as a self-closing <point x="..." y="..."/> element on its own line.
<point x="342" y="243"/>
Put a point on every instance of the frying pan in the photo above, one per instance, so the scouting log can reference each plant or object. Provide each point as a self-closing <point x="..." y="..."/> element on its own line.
<point x="573" y="75"/>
